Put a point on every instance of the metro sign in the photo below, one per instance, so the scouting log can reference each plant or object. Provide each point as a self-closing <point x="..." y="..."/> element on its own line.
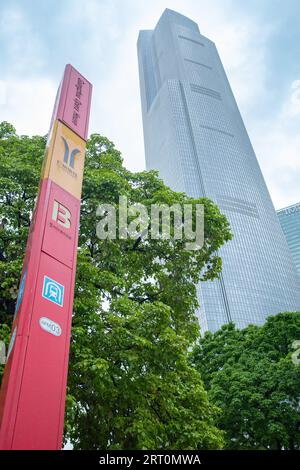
<point x="33" y="389"/>
<point x="53" y="291"/>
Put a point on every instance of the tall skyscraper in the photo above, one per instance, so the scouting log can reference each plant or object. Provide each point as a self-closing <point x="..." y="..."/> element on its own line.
<point x="195" y="136"/>
<point x="289" y="219"/>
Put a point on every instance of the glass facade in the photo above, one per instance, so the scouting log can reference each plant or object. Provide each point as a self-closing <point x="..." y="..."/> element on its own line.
<point x="289" y="219"/>
<point x="195" y="136"/>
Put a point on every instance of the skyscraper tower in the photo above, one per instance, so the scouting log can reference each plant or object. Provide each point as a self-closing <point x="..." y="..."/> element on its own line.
<point x="195" y="136"/>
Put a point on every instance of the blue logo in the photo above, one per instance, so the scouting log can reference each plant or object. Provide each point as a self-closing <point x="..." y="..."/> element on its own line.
<point x="69" y="160"/>
<point x="53" y="291"/>
<point x="20" y="294"/>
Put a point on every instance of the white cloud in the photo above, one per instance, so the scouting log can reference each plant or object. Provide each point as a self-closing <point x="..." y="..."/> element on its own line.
<point x="116" y="110"/>
<point x="106" y="53"/>
<point x="23" y="47"/>
<point x="243" y="50"/>
<point x="107" y="47"/>
<point x="292" y="105"/>
<point x="28" y="104"/>
<point x="277" y="142"/>
<point x="3" y="93"/>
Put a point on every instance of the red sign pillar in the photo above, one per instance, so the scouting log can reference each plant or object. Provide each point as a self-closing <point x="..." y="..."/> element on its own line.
<point x="32" y="396"/>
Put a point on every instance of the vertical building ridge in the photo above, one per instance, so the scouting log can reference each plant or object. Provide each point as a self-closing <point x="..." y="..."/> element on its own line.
<point x="289" y="218"/>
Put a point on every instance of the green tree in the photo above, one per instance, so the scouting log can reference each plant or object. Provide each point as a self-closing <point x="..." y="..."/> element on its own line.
<point x="251" y="376"/>
<point x="130" y="381"/>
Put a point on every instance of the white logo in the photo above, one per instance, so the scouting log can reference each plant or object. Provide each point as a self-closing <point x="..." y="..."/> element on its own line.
<point x="50" y="326"/>
<point x="61" y="215"/>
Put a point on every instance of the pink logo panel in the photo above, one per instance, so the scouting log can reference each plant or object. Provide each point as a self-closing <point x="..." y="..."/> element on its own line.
<point x="61" y="229"/>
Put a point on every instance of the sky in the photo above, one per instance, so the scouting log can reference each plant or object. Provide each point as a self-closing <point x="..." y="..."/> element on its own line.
<point x="258" y="41"/>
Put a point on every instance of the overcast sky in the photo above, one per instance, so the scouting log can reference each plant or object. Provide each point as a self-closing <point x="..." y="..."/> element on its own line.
<point x="258" y="41"/>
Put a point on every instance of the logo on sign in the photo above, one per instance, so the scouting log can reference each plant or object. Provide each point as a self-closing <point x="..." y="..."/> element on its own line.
<point x="20" y="294"/>
<point x="69" y="159"/>
<point x="61" y="214"/>
<point x="50" y="326"/>
<point x="53" y="291"/>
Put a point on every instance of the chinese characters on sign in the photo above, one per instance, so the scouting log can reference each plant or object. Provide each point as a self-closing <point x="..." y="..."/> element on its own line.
<point x="77" y="102"/>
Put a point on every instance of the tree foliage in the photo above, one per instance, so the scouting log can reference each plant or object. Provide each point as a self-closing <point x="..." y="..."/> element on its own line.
<point x="130" y="382"/>
<point x="20" y="164"/>
<point x="251" y="376"/>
